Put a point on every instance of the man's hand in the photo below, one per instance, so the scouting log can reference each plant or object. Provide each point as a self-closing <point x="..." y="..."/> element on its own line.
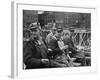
<point x="49" y="49"/>
<point x="65" y="47"/>
<point x="45" y="61"/>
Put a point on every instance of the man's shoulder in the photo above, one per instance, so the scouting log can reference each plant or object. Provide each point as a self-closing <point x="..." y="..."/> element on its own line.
<point x="30" y="43"/>
<point x="50" y="34"/>
<point x="66" y="39"/>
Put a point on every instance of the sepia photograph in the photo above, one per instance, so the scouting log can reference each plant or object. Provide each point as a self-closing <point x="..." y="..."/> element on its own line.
<point x="53" y="39"/>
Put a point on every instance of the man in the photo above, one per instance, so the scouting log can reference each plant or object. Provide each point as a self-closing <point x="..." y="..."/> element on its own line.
<point x="51" y="35"/>
<point x="35" y="51"/>
<point x="59" y="59"/>
<point x="75" y="53"/>
<point x="52" y="43"/>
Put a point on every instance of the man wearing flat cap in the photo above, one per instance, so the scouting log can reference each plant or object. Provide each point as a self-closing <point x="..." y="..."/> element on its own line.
<point x="55" y="50"/>
<point x="52" y="40"/>
<point x="35" y="51"/>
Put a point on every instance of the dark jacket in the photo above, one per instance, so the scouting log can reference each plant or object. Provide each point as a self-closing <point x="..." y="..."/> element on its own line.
<point x="73" y="49"/>
<point x="69" y="42"/>
<point x="53" y="44"/>
<point x="33" y="54"/>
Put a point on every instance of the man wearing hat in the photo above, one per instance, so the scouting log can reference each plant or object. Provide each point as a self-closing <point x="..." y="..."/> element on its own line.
<point x="35" y="51"/>
<point x="52" y="39"/>
<point x="55" y="50"/>
<point x="74" y="52"/>
<point x="51" y="35"/>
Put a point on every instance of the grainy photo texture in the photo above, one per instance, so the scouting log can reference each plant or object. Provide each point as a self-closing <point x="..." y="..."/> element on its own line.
<point x="56" y="39"/>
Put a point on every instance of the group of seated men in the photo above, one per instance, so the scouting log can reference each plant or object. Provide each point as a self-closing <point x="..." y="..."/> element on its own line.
<point x="55" y="51"/>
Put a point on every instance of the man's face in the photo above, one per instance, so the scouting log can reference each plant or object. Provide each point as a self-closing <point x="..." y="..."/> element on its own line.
<point x="54" y="31"/>
<point x="59" y="34"/>
<point x="35" y="34"/>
